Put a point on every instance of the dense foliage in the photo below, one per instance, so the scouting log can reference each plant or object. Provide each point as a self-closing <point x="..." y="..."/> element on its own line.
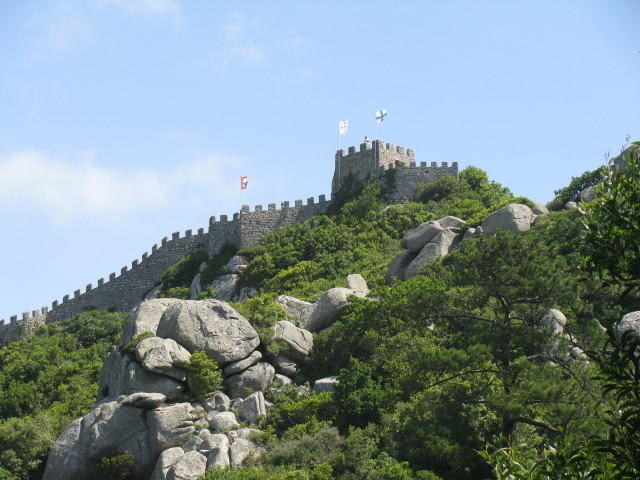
<point x="452" y="374"/>
<point x="47" y="380"/>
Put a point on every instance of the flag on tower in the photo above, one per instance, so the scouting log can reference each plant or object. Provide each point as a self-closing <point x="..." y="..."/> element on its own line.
<point x="244" y="181"/>
<point x="343" y="125"/>
<point x="381" y="115"/>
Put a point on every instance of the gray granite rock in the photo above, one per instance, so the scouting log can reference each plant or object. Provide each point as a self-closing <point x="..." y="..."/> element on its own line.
<point x="166" y="460"/>
<point x="399" y="265"/>
<point x="252" y="407"/>
<point x="145" y="318"/>
<point x="211" y="326"/>
<point x="108" y="429"/>
<point x="170" y="426"/>
<point x="254" y="379"/>
<point x="328" y="306"/>
<point x="222" y="421"/>
<point x="225" y="286"/>
<point x="299" y="340"/>
<point x="164" y="356"/>
<point x="298" y="311"/>
<point x="285" y="365"/>
<point x="240" y="365"/>
<point x="122" y="375"/>
<point x="218" y="401"/>
<point x="191" y="466"/>
<point x="357" y="283"/>
<point x="514" y="217"/>
<point x="417" y="238"/>
<point x="629" y="322"/>
<point x="327" y="384"/>
<point x="441" y="245"/>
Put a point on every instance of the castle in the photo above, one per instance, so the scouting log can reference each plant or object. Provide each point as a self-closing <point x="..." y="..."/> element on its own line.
<point x="122" y="292"/>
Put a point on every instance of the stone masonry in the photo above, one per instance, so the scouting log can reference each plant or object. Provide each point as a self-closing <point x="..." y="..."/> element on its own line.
<point x="122" y="292"/>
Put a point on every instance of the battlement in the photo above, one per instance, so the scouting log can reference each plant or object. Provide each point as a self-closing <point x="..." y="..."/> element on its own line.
<point x="121" y="291"/>
<point x="248" y="226"/>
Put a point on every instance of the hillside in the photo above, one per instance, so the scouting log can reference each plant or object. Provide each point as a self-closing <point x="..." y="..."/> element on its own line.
<point x="501" y="355"/>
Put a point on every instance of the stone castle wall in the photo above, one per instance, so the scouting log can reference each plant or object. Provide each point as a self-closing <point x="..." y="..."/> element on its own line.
<point x="373" y="159"/>
<point x="122" y="292"/>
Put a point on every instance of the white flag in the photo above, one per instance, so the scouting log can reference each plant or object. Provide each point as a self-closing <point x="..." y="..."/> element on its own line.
<point x="381" y="115"/>
<point x="244" y="183"/>
<point x="343" y="125"/>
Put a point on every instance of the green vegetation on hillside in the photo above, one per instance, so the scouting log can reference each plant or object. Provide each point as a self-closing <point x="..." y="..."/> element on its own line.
<point x="452" y="374"/>
<point x="46" y="381"/>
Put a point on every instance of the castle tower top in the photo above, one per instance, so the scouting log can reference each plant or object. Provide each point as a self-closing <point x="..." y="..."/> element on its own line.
<point x="368" y="160"/>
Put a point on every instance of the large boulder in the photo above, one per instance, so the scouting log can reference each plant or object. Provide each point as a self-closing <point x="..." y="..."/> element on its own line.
<point x="240" y="365"/>
<point x="588" y="194"/>
<point x="441" y="245"/>
<point x="298" y="311"/>
<point x="166" y="461"/>
<point x="417" y="238"/>
<point x="211" y="326"/>
<point x="145" y="318"/>
<point x="328" y="306"/>
<point x="327" y="384"/>
<point x="195" y="289"/>
<point x="285" y="365"/>
<point x="539" y="209"/>
<point x="450" y="222"/>
<point x="190" y="466"/>
<point x="164" y="356"/>
<point x="252" y="407"/>
<point x="299" y="340"/>
<point x="222" y="421"/>
<point x="170" y="426"/>
<point x="630" y="322"/>
<point x="555" y="321"/>
<point x="225" y="285"/>
<point x="254" y="379"/>
<point x="357" y="283"/>
<point x="399" y="264"/>
<point x="241" y="447"/>
<point x="109" y="429"/>
<point x="238" y="264"/>
<point x="514" y="217"/>
<point x="218" y="401"/>
<point x="122" y="375"/>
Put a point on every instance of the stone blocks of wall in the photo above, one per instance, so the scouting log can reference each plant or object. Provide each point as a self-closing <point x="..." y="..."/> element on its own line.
<point x="122" y="292"/>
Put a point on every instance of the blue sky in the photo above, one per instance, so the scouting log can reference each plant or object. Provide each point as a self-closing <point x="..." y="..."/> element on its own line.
<point x="122" y="121"/>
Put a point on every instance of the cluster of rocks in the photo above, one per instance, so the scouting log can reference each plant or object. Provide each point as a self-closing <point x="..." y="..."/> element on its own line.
<point x="555" y="323"/>
<point x="144" y="386"/>
<point x="436" y="238"/>
<point x="226" y="285"/>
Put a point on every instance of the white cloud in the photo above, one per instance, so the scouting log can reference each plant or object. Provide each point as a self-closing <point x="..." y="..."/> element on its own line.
<point x="167" y="8"/>
<point x="78" y="188"/>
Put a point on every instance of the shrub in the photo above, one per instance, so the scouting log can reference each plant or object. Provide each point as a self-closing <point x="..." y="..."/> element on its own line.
<point x="181" y="273"/>
<point x="118" y="467"/>
<point x="175" y="292"/>
<point x="130" y="347"/>
<point x="203" y="374"/>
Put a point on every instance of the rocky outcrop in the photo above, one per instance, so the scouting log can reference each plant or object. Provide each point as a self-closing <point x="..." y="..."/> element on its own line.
<point x="122" y="375"/>
<point x="211" y="326"/>
<point x="439" y="246"/>
<point x="514" y="217"/>
<point x="145" y="318"/>
<point x="240" y="365"/>
<point x="327" y="384"/>
<point x="327" y="308"/>
<point x="298" y="311"/>
<point x="252" y="407"/>
<point x="109" y="429"/>
<point x="629" y="323"/>
<point x="163" y="356"/>
<point x="254" y="379"/>
<point x="299" y="340"/>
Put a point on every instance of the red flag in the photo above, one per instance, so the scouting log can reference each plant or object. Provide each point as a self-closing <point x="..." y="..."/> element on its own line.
<point x="244" y="181"/>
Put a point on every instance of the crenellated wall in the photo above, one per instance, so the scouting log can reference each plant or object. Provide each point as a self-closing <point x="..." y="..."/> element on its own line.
<point x="372" y="159"/>
<point x="123" y="291"/>
<point x="247" y="227"/>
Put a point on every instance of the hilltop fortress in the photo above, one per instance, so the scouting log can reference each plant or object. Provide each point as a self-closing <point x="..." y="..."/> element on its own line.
<point x="122" y="292"/>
